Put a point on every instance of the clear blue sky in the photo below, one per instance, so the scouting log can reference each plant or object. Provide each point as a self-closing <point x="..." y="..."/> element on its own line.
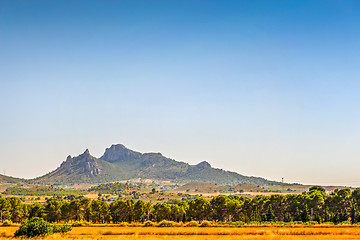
<point x="264" y="88"/>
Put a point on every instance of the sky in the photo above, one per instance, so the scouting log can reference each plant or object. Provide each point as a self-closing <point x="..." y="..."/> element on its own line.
<point x="263" y="88"/>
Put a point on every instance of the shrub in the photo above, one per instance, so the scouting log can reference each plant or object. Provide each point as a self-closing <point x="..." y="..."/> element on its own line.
<point x="311" y="223"/>
<point x="79" y="224"/>
<point x="124" y="224"/>
<point x="205" y="224"/>
<point x="61" y="228"/>
<point x="7" y="223"/>
<point x="238" y="223"/>
<point x="192" y="224"/>
<point x="34" y="227"/>
<point x="165" y="223"/>
<point x="135" y="224"/>
<point x="148" y="224"/>
<point x="298" y="222"/>
<point x="39" y="227"/>
<point x="254" y="223"/>
<point x="345" y="223"/>
<point x="327" y="223"/>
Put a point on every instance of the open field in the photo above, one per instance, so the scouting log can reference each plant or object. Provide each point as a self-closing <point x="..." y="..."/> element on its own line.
<point x="213" y="233"/>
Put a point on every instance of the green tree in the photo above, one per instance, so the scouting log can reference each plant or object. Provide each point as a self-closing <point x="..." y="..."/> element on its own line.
<point x="66" y="213"/>
<point x="287" y="217"/>
<point x="53" y="210"/>
<point x="148" y="208"/>
<point x="317" y="188"/>
<point x="219" y="207"/>
<point x="139" y="211"/>
<point x="161" y="211"/>
<point x="199" y="209"/>
<point x="86" y="208"/>
<point x="305" y="217"/>
<point x="183" y="208"/>
<point x="4" y="209"/>
<point x="76" y="210"/>
<point x="36" y="210"/>
<point x="100" y="211"/>
<point x="16" y="209"/>
<point x="118" y="211"/>
<point x="270" y="215"/>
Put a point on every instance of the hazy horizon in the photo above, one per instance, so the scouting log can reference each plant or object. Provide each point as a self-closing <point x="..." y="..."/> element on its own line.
<point x="263" y="88"/>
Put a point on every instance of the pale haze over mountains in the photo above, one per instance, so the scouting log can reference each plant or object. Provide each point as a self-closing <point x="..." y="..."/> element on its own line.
<point x="261" y="88"/>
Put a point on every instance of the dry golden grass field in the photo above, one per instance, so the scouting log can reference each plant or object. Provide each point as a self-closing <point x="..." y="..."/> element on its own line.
<point x="211" y="233"/>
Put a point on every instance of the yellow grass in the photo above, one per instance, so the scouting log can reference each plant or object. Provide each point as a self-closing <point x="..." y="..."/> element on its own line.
<point x="192" y="233"/>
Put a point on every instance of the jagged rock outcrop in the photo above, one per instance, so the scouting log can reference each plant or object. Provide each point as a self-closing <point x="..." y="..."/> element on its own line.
<point x="89" y="165"/>
<point x="119" y="152"/>
<point x="203" y="165"/>
<point x="67" y="164"/>
<point x="83" y="164"/>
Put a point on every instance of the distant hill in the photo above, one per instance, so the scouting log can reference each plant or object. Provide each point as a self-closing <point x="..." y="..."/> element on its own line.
<point x="5" y="179"/>
<point x="120" y="163"/>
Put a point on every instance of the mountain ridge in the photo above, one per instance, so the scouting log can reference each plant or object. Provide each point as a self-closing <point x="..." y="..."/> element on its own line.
<point x="118" y="163"/>
<point x="8" y="179"/>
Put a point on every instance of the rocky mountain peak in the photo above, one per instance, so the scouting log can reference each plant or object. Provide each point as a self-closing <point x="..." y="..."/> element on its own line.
<point x="203" y="165"/>
<point x="87" y="152"/>
<point x="118" y="152"/>
<point x="84" y="163"/>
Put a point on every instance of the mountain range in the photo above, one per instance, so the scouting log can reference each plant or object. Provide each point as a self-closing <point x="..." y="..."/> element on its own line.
<point x="119" y="163"/>
<point x="6" y="179"/>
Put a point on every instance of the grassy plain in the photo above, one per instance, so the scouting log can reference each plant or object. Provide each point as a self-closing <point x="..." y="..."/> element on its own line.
<point x="211" y="233"/>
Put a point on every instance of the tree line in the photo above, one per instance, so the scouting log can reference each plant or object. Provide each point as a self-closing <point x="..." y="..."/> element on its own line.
<point x="315" y="205"/>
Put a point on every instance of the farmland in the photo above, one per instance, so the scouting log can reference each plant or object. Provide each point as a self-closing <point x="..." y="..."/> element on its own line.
<point x="209" y="233"/>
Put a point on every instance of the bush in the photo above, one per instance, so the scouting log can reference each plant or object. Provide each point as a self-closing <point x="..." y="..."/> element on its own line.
<point x="79" y="224"/>
<point x="205" y="224"/>
<point x="298" y="222"/>
<point x="238" y="223"/>
<point x="7" y="223"/>
<point x="34" y="227"/>
<point x="254" y="223"/>
<point x="192" y="224"/>
<point x="165" y="223"/>
<point x="148" y="224"/>
<point x="345" y="223"/>
<point x="124" y="224"/>
<point x="39" y="227"/>
<point x="311" y="223"/>
<point x="61" y="228"/>
<point x="327" y="223"/>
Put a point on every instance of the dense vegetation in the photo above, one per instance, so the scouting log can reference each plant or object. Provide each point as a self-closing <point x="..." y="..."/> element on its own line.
<point x="114" y="188"/>
<point x="42" y="191"/>
<point x="314" y="205"/>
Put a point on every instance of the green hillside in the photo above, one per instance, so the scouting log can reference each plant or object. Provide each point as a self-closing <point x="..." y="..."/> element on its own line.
<point x="6" y="179"/>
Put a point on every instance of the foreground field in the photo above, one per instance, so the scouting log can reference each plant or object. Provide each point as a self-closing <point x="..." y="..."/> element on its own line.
<point x="223" y="233"/>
